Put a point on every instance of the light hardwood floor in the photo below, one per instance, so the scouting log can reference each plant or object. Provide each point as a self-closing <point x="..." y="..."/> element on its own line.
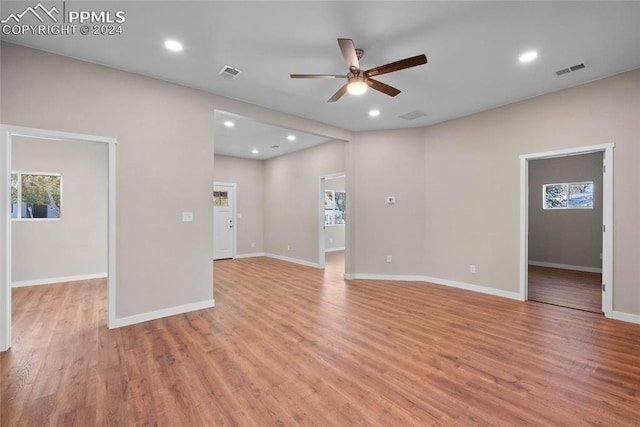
<point x="292" y="345"/>
<point x="567" y="288"/>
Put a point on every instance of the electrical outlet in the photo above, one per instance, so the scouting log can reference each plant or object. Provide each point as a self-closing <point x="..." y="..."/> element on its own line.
<point x="288" y="247"/>
<point x="330" y="239"/>
<point x="389" y="258"/>
<point x="187" y="216"/>
<point x="253" y="244"/>
<point x="472" y="268"/>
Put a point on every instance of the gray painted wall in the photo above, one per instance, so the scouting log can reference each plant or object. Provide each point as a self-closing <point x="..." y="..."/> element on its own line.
<point x="292" y="200"/>
<point x="565" y="236"/>
<point x="252" y="176"/>
<point x="443" y="221"/>
<point x="387" y="163"/>
<point x="165" y="149"/>
<point x="448" y="215"/>
<point x="76" y="244"/>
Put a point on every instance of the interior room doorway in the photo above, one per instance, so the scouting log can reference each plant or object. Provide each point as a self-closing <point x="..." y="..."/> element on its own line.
<point x="8" y="134"/>
<point x="565" y="231"/>
<point x="332" y="220"/>
<point x="565" y="194"/>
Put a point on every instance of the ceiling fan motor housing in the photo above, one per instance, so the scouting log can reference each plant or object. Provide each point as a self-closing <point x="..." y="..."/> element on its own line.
<point x="357" y="79"/>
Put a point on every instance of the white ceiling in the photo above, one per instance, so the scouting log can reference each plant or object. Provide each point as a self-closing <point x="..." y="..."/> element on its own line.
<point x="247" y="135"/>
<point x="472" y="48"/>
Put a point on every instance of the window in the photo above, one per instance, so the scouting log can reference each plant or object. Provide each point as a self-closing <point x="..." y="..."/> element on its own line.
<point x="220" y="198"/>
<point x="35" y="195"/>
<point x="335" y="207"/>
<point x="574" y="195"/>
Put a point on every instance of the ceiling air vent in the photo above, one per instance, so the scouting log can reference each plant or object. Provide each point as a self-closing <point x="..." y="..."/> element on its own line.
<point x="229" y="72"/>
<point x="412" y="115"/>
<point x="570" y="69"/>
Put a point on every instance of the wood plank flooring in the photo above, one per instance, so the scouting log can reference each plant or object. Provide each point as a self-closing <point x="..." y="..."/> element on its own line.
<point x="293" y="345"/>
<point x="567" y="288"/>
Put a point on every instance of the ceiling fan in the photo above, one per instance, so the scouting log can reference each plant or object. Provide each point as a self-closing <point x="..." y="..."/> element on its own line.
<point x="358" y="80"/>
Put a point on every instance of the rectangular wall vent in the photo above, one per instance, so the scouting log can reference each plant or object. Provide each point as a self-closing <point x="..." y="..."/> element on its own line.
<point x="229" y="72"/>
<point x="570" y="69"/>
<point x="412" y="115"/>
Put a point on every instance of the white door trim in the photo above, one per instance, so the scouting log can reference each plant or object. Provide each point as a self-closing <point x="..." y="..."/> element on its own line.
<point x="607" y="216"/>
<point x="321" y="226"/>
<point x="7" y="133"/>
<point x="234" y="214"/>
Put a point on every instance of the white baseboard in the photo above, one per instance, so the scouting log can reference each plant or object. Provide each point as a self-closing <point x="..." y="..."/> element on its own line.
<point x="293" y="260"/>
<point x="476" y="288"/>
<point x="626" y="317"/>
<point x="335" y="249"/>
<point x="166" y="312"/>
<point x="398" y="277"/>
<point x="51" y="280"/>
<point x="257" y="254"/>
<point x="565" y="266"/>
<point x="437" y="281"/>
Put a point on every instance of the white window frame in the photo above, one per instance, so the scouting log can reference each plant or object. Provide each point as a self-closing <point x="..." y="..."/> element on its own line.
<point x="19" y="205"/>
<point x="335" y="206"/>
<point x="568" y="185"/>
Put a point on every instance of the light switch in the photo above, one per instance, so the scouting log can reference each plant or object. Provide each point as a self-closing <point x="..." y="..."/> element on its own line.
<point x="187" y="216"/>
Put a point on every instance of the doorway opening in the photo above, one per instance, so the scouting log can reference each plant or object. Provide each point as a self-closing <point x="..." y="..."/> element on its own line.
<point x="332" y="221"/>
<point x="565" y="231"/>
<point x="568" y="212"/>
<point x="9" y="136"/>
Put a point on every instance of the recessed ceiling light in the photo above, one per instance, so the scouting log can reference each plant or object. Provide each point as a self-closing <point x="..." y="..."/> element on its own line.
<point x="255" y="151"/>
<point x="528" y="56"/>
<point x="229" y="124"/>
<point x="291" y="137"/>
<point x="173" y="45"/>
<point x="374" y="113"/>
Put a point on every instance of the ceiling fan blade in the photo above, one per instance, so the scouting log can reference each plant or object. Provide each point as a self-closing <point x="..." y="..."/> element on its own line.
<point x="339" y="93"/>
<point x="349" y="52"/>
<point x="318" y="76"/>
<point x="383" y="87"/>
<point x="398" y="65"/>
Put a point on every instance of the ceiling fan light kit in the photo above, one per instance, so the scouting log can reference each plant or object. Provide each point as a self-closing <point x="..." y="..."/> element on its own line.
<point x="357" y="79"/>
<point x="357" y="85"/>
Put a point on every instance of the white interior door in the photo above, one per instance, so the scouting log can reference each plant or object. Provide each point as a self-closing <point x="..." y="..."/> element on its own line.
<point x="223" y="221"/>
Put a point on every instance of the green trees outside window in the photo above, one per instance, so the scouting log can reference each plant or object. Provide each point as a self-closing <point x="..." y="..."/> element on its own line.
<point x="35" y="195"/>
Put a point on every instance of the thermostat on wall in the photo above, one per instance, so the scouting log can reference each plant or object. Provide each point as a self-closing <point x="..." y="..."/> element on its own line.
<point x="391" y="200"/>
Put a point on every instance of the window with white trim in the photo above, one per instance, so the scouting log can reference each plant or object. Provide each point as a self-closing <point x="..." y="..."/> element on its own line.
<point x="335" y="207"/>
<point x="572" y="195"/>
<point x="35" y="195"/>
